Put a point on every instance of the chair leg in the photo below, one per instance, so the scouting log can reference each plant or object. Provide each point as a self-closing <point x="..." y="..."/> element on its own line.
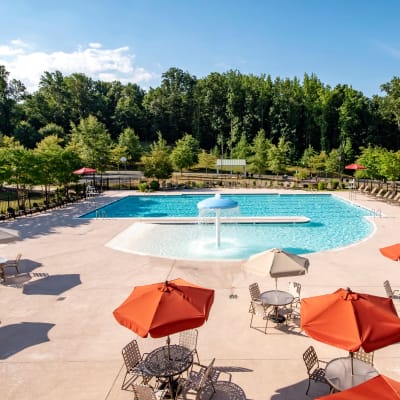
<point x="308" y="387"/>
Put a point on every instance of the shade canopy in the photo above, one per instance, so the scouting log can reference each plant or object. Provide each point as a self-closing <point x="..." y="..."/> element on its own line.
<point x="354" y="166"/>
<point x="392" y="252"/>
<point x="9" y="235"/>
<point x="380" y="387"/>
<point x="165" y="308"/>
<point x="350" y="320"/>
<point x="217" y="202"/>
<point x="85" y="171"/>
<point x="277" y="263"/>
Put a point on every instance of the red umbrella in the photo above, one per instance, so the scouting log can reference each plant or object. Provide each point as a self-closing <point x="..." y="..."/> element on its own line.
<point x="165" y="308"/>
<point x="392" y="252"/>
<point x="350" y="320"/>
<point x="380" y="387"/>
<point x="354" y="166"/>
<point x="84" y="171"/>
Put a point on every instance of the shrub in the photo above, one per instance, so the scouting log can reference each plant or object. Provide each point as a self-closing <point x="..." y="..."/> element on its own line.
<point x="154" y="185"/>
<point x="322" y="185"/>
<point x="142" y="186"/>
<point x="334" y="184"/>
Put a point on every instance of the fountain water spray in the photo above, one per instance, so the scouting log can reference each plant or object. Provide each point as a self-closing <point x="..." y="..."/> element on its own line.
<point x="217" y="203"/>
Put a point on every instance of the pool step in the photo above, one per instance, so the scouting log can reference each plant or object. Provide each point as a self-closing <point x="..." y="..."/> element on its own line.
<point x="227" y="220"/>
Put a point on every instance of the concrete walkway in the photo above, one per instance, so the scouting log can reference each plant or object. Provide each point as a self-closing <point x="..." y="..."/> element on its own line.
<point x="59" y="339"/>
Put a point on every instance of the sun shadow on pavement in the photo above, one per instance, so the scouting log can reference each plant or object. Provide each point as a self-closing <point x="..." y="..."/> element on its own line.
<point x="298" y="391"/>
<point x="17" y="337"/>
<point x="52" y="284"/>
<point x="224" y="390"/>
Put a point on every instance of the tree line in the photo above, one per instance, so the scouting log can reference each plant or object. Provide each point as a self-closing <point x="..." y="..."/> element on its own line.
<point x="270" y="123"/>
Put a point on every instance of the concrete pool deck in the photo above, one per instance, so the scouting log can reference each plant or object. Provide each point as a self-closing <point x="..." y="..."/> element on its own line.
<point x="59" y="339"/>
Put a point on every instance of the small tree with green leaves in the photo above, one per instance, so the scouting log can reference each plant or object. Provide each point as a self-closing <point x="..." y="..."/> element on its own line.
<point x="185" y="153"/>
<point x="131" y="142"/>
<point x="158" y="163"/>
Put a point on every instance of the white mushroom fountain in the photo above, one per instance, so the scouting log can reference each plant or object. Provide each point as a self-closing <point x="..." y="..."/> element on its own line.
<point x="217" y="203"/>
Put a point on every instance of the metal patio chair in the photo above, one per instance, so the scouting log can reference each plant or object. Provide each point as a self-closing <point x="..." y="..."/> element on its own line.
<point x="314" y="370"/>
<point x="188" y="339"/>
<point x="134" y="364"/>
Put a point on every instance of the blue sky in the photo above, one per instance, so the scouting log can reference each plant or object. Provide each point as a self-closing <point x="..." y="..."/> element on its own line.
<point x="350" y="42"/>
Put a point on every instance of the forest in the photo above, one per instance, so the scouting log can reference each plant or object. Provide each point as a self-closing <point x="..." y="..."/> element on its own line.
<point x="224" y="113"/>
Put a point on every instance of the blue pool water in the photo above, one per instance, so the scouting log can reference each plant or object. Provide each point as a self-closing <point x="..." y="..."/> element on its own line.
<point x="333" y="223"/>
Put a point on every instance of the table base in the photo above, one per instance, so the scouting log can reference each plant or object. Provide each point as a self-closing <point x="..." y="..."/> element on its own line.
<point x="277" y="318"/>
<point x="175" y="387"/>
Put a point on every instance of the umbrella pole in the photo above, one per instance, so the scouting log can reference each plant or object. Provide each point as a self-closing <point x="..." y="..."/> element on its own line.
<point x="351" y="357"/>
<point x="168" y="351"/>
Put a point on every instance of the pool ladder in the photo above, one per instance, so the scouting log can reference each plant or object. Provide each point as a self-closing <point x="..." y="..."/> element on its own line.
<point x="377" y="212"/>
<point x="101" y="214"/>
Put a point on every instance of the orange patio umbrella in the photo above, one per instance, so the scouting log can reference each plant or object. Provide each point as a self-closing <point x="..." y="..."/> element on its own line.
<point x="350" y="320"/>
<point x="84" y="171"/>
<point x="162" y="309"/>
<point x="380" y="387"/>
<point x="392" y="252"/>
<point x="354" y="166"/>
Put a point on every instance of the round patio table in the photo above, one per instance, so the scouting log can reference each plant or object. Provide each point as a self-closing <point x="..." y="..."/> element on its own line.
<point x="338" y="373"/>
<point x="277" y="298"/>
<point x="167" y="362"/>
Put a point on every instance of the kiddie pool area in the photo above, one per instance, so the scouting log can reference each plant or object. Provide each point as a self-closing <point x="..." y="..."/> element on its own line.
<point x="297" y="223"/>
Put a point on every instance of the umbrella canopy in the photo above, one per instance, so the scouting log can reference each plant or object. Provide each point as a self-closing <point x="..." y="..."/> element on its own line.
<point x="392" y="252"/>
<point x="354" y="166"/>
<point x="278" y="263"/>
<point x="380" y="387"/>
<point x="350" y="320"/>
<point x="9" y="235"/>
<point x="84" y="171"/>
<point x="165" y="308"/>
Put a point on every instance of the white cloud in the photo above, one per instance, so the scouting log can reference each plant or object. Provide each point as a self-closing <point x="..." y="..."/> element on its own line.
<point x="392" y="51"/>
<point x="94" y="61"/>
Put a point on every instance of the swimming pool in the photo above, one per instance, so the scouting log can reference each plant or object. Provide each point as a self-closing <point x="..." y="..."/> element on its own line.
<point x="333" y="223"/>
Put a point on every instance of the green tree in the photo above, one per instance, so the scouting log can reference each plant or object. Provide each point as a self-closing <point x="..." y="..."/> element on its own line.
<point x="370" y="158"/>
<point x="242" y="149"/>
<point x="92" y="142"/>
<point x="391" y="103"/>
<point x="53" y="163"/>
<point x="158" y="163"/>
<point x="260" y="148"/>
<point x="207" y="160"/>
<point x="185" y="153"/>
<point x="131" y="142"/>
<point x="12" y="92"/>
<point x="278" y="156"/>
<point x="52" y="129"/>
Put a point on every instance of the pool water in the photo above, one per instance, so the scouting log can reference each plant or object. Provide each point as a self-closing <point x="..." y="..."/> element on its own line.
<point x="333" y="223"/>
